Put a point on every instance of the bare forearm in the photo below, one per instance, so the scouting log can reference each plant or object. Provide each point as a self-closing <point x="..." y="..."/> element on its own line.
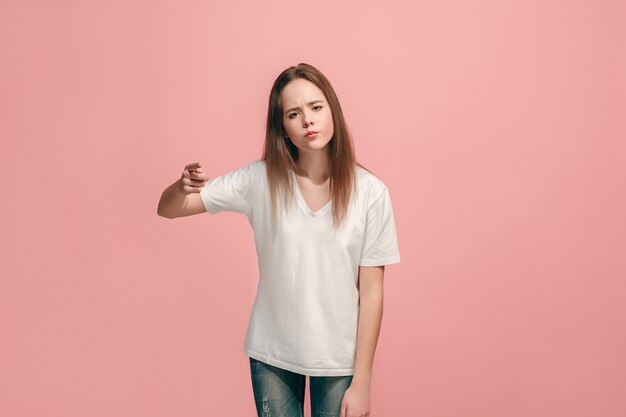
<point x="370" y="319"/>
<point x="172" y="201"/>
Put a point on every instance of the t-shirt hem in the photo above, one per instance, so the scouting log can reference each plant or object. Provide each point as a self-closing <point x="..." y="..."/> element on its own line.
<point x="384" y="261"/>
<point x="298" y="369"/>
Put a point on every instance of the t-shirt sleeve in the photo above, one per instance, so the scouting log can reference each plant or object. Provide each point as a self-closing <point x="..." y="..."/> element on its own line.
<point x="380" y="246"/>
<point x="231" y="191"/>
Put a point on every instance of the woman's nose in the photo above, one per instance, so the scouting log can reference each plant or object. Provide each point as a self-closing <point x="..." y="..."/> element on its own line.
<point x="307" y="118"/>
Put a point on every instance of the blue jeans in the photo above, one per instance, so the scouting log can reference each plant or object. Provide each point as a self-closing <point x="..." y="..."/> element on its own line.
<point x="280" y="393"/>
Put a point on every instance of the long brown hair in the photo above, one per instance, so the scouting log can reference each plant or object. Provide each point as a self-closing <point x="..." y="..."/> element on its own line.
<point x="280" y="154"/>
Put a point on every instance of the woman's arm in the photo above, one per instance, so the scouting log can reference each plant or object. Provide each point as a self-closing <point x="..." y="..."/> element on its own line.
<point x="182" y="198"/>
<point x="176" y="203"/>
<point x="356" y="400"/>
<point x="370" y="318"/>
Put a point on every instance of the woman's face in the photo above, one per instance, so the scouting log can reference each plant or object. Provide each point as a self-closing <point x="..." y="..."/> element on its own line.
<point x="305" y="109"/>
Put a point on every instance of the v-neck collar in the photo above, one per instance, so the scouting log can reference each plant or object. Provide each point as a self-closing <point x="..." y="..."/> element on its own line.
<point x="302" y="202"/>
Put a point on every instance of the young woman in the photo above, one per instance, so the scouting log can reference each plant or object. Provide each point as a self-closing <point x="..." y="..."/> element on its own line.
<point x="324" y="230"/>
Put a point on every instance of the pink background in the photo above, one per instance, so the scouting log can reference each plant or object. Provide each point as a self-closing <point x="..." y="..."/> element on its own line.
<point x="498" y="127"/>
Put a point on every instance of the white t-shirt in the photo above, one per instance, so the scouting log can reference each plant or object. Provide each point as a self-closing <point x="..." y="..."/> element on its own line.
<point x="305" y="314"/>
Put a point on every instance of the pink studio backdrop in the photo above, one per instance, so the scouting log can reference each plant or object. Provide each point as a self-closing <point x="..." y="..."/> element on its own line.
<point x="498" y="127"/>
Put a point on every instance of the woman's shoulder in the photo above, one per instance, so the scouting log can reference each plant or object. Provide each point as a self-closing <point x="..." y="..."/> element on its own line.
<point x="244" y="174"/>
<point x="257" y="163"/>
<point x="256" y="166"/>
<point x="369" y="182"/>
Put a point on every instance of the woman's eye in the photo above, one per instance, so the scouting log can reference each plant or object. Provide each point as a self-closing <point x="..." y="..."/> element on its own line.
<point x="291" y="114"/>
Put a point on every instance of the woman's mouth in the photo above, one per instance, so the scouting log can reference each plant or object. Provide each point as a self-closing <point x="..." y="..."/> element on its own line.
<point x="311" y="135"/>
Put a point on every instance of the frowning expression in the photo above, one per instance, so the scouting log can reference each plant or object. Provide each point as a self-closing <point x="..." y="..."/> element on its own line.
<point x="305" y="109"/>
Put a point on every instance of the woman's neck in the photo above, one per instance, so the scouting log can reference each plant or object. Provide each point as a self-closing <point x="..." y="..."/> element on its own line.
<point x="313" y="165"/>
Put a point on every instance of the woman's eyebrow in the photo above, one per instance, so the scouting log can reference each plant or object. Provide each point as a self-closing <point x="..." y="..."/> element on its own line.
<point x="296" y="108"/>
